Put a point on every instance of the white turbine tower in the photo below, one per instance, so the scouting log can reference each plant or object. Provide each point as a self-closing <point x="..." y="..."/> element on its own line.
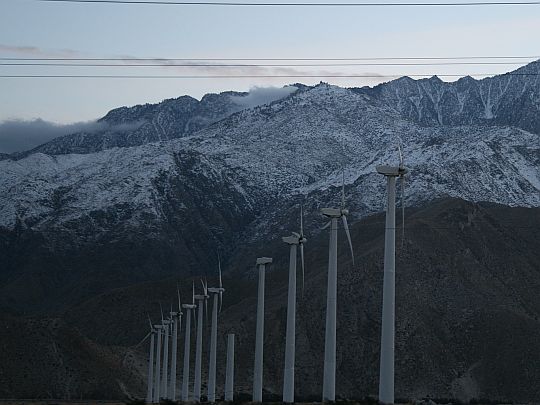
<point x="187" y="345"/>
<point x="258" y="365"/>
<point x="164" y="383"/>
<point x="329" y="382"/>
<point x="217" y="293"/>
<point x="150" y="389"/>
<point x="229" y="374"/>
<point x="202" y="298"/>
<point x="157" y="373"/>
<point x="386" y="376"/>
<point x="176" y="326"/>
<point x="295" y="240"/>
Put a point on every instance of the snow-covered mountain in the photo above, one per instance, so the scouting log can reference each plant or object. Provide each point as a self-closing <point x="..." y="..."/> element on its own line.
<point x="298" y="145"/>
<point x="240" y="175"/>
<point x="141" y="124"/>
<point x="511" y="99"/>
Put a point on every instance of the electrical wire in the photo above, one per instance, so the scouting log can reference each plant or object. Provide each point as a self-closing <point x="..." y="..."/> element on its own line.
<point x="161" y="59"/>
<point x="219" y="65"/>
<point x="253" y="76"/>
<point x="307" y="4"/>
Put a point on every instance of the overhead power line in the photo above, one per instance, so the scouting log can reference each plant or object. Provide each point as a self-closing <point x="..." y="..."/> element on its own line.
<point x="308" y="4"/>
<point x="220" y="65"/>
<point x="320" y="76"/>
<point x="161" y="59"/>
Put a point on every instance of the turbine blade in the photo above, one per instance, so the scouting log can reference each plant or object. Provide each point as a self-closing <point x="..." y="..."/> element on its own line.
<point x="219" y="268"/>
<point x="220" y="300"/>
<point x="402" y="211"/>
<point x="343" y="188"/>
<point x="206" y="312"/>
<point x="400" y="154"/>
<point x="301" y="220"/>
<point x="150" y="321"/>
<point x="142" y="341"/>
<point x="179" y="302"/>
<point x="303" y="268"/>
<point x="161" y="308"/>
<point x="346" y="226"/>
<point x="193" y="292"/>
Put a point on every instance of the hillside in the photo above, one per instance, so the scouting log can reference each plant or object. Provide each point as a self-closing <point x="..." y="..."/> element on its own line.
<point x="468" y="313"/>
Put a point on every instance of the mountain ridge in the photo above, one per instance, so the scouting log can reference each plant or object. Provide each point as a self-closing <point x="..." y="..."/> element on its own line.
<point x="468" y="102"/>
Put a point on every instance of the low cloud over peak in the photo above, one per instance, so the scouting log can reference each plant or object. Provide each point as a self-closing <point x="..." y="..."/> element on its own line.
<point x="21" y="135"/>
<point x="263" y="95"/>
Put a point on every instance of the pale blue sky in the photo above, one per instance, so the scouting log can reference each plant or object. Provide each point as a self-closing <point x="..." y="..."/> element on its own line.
<point x="93" y="30"/>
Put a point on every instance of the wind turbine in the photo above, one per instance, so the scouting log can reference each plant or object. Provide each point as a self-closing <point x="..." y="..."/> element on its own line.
<point x="202" y="298"/>
<point x="164" y="383"/>
<point x="329" y="382"/>
<point x="386" y="376"/>
<point x="149" y="392"/>
<point x="217" y="293"/>
<point x="258" y="366"/>
<point x="176" y="318"/>
<point x="295" y="240"/>
<point x="187" y="345"/>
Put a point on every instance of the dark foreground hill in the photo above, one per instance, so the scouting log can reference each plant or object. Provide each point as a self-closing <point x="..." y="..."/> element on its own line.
<point x="45" y="359"/>
<point x="468" y="310"/>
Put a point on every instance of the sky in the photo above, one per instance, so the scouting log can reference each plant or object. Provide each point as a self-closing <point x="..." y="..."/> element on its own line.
<point x="30" y="28"/>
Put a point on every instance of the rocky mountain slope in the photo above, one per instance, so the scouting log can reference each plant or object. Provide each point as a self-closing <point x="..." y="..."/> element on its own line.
<point x="511" y="99"/>
<point x="141" y="124"/>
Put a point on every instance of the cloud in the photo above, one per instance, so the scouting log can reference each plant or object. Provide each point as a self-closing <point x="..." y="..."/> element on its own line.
<point x="196" y="67"/>
<point x="263" y="95"/>
<point x="37" y="52"/>
<point x="20" y="135"/>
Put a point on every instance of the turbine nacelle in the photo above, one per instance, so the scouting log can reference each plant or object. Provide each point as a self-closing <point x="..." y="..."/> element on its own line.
<point x="294" y="239"/>
<point x="264" y="260"/>
<point x="392" y="171"/>
<point x="335" y="212"/>
<point x="189" y="306"/>
<point x="201" y="297"/>
<point x="331" y="212"/>
<point x="216" y="290"/>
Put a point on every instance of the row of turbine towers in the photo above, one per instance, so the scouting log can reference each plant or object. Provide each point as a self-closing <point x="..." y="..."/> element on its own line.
<point x="161" y="387"/>
<point x="162" y="379"/>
